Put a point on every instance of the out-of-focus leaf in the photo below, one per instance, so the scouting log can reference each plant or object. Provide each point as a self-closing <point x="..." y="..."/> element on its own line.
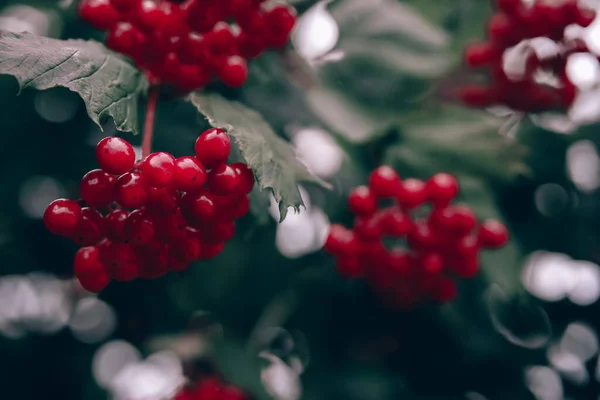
<point x="389" y="55"/>
<point x="271" y="158"/>
<point x="240" y="367"/>
<point x="456" y="140"/>
<point x="108" y="85"/>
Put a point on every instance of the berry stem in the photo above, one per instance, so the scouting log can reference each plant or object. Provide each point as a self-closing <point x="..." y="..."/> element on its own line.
<point x="149" y="122"/>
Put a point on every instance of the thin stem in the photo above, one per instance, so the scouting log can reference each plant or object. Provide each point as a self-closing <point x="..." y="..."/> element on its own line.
<point x="149" y="121"/>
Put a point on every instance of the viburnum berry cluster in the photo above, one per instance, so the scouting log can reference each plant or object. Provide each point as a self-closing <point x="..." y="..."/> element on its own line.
<point x="211" y="388"/>
<point x="409" y="252"/>
<point x="543" y="83"/>
<point x="143" y="219"/>
<point x="188" y="44"/>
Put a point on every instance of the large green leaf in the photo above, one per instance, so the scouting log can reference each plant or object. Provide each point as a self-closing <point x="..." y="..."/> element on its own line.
<point x="459" y="141"/>
<point x="389" y="56"/>
<point x="107" y="83"/>
<point x="271" y="158"/>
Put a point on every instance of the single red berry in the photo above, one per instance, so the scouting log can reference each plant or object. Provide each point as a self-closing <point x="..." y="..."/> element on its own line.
<point x="189" y="174"/>
<point x="396" y="223"/>
<point x="462" y="220"/>
<point x="493" y="234"/>
<point x="139" y="228"/>
<point x="89" y="270"/>
<point x="422" y="237"/>
<point x="479" y="54"/>
<point x="369" y="228"/>
<point x="131" y="192"/>
<point x="191" y="77"/>
<point x="161" y="201"/>
<point x="199" y="205"/>
<point x="411" y="193"/>
<point x="212" y="147"/>
<point x="115" y="155"/>
<point x="91" y="228"/>
<point x="234" y="72"/>
<point x="432" y="263"/>
<point x="245" y="175"/>
<point x="442" y="188"/>
<point x="384" y="182"/>
<point x="467" y="246"/>
<point x="98" y="13"/>
<point x="341" y="241"/>
<point x="223" y="179"/>
<point x="158" y="169"/>
<point x="116" y="225"/>
<point x="400" y="262"/>
<point x="221" y="40"/>
<point x="124" y="5"/>
<point x="148" y="16"/>
<point x="445" y="290"/>
<point x="279" y="22"/>
<point x="250" y="46"/>
<point x="210" y="251"/>
<point x="98" y="188"/>
<point x="362" y="201"/>
<point x="62" y="217"/>
<point x="173" y="20"/>
<point x="126" y="39"/>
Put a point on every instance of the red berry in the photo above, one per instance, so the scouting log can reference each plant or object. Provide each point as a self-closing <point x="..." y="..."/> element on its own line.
<point x="148" y="16"/>
<point x="432" y="263"/>
<point x="350" y="267"/>
<point x="171" y="228"/>
<point x="465" y="267"/>
<point x="252" y="22"/>
<point x="467" y="246"/>
<point x="223" y="179"/>
<point x="98" y="188"/>
<point x="411" y="193"/>
<point x="218" y="232"/>
<point x="139" y="229"/>
<point x="89" y="270"/>
<point x="115" y="155"/>
<point x="212" y="147"/>
<point x="234" y="72"/>
<point x="422" y="237"/>
<point x="126" y="39"/>
<point x="62" y="217"/>
<point x="279" y="22"/>
<point x="399" y="262"/>
<point x="116" y="225"/>
<point x="124" y="5"/>
<point x="245" y="176"/>
<point x="123" y="263"/>
<point x="161" y="201"/>
<point x="189" y="174"/>
<point x="200" y="206"/>
<point x="188" y="249"/>
<point x="91" y="228"/>
<point x="442" y="188"/>
<point x="250" y="46"/>
<point x="396" y="223"/>
<point x="98" y="13"/>
<point x="362" y="201"/>
<point x="158" y="169"/>
<point x="493" y="234"/>
<point x="479" y="54"/>
<point x="154" y="260"/>
<point x="131" y="192"/>
<point x="172" y="22"/>
<point x="368" y="228"/>
<point x="384" y="182"/>
<point x="341" y="241"/>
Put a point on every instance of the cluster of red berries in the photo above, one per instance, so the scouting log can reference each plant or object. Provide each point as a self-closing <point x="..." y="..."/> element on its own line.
<point x="211" y="388"/>
<point x="188" y="44"/>
<point x="433" y="247"/>
<point x="513" y="23"/>
<point x="140" y="220"/>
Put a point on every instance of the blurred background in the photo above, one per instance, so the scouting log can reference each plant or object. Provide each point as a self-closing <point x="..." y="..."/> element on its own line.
<point x="363" y="82"/>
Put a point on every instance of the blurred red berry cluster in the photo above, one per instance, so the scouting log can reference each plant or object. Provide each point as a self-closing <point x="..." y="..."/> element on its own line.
<point x="513" y="23"/>
<point x="408" y="251"/>
<point x="188" y="44"/>
<point x="211" y="388"/>
<point x="141" y="220"/>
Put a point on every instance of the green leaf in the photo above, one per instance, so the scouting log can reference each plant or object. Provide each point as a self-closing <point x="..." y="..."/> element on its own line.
<point x="271" y="158"/>
<point x="388" y="55"/>
<point x="108" y="85"/>
<point x="456" y="140"/>
<point x="240" y="367"/>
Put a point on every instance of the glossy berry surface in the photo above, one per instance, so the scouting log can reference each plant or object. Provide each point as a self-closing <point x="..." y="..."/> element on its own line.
<point x="62" y="217"/>
<point x="412" y="247"/>
<point x="212" y="147"/>
<point x="158" y="215"/>
<point x="189" y="44"/>
<point x="115" y="155"/>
